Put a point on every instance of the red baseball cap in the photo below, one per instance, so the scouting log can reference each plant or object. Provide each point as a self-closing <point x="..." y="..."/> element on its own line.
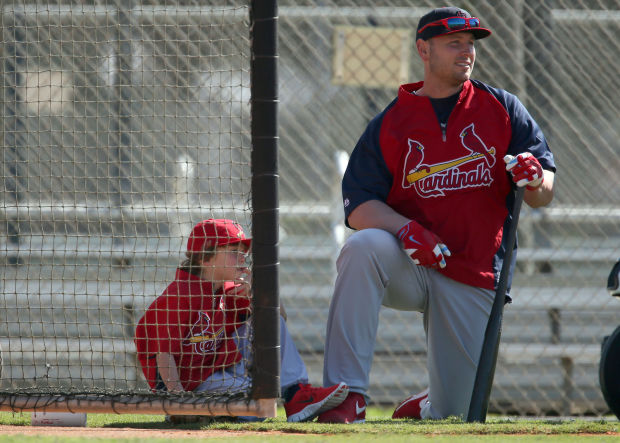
<point x="216" y="232"/>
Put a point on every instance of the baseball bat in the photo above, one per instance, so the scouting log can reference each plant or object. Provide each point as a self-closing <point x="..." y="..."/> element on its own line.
<point x="490" y="347"/>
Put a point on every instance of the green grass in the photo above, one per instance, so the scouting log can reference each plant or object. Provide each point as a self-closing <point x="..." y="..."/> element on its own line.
<point x="378" y="428"/>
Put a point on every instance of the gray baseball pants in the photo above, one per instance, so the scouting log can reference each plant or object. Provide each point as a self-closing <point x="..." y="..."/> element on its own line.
<point x="373" y="270"/>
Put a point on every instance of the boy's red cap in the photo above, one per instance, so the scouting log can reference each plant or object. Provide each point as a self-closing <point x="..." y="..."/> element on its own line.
<point x="216" y="232"/>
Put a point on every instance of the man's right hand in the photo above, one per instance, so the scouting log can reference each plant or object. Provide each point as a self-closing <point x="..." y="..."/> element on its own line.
<point x="424" y="247"/>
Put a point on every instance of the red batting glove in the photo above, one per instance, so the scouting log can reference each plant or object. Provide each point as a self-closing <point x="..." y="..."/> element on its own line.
<point x="424" y="247"/>
<point x="525" y="169"/>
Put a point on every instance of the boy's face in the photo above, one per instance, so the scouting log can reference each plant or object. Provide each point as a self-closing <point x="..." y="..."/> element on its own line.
<point x="229" y="263"/>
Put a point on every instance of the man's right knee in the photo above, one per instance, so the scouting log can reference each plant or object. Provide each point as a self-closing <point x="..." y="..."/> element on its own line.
<point x="368" y="248"/>
<point x="371" y="241"/>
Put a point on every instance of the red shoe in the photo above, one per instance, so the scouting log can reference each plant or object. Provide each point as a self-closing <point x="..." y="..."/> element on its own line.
<point x="352" y="410"/>
<point x="309" y="401"/>
<point x="411" y="407"/>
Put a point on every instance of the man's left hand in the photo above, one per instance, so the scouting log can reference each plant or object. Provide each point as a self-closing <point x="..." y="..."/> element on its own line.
<point x="525" y="169"/>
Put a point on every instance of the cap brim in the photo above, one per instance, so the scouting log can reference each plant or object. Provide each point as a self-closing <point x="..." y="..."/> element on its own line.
<point x="478" y="32"/>
<point x="246" y="242"/>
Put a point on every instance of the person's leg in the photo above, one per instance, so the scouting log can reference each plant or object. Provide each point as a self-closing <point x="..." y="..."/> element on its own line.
<point x="231" y="379"/>
<point x="455" y="321"/>
<point x="303" y="402"/>
<point x="234" y="378"/>
<point x="292" y="370"/>
<point x="372" y="270"/>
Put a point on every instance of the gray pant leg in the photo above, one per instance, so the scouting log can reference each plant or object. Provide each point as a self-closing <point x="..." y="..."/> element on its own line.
<point x="236" y="378"/>
<point x="292" y="367"/>
<point x="455" y="322"/>
<point x="292" y="370"/>
<point x="372" y="269"/>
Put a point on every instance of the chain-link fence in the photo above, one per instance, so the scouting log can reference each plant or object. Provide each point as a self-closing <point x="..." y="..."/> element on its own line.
<point x="124" y="122"/>
<point x="340" y="64"/>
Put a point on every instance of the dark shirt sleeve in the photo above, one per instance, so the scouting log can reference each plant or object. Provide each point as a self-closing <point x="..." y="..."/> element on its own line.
<point x="527" y="135"/>
<point x="367" y="176"/>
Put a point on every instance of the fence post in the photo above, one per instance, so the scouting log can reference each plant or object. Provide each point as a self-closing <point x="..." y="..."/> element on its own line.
<point x="265" y="213"/>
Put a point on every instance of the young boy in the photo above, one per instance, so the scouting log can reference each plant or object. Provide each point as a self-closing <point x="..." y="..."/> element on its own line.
<point x="196" y="335"/>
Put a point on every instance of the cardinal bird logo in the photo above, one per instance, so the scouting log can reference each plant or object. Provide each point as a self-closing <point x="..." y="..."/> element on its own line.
<point x="433" y="180"/>
<point x="202" y="337"/>
<point x="475" y="145"/>
<point x="413" y="162"/>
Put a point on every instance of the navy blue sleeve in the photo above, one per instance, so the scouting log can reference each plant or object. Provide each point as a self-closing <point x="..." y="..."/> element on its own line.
<point x="526" y="134"/>
<point x="367" y="176"/>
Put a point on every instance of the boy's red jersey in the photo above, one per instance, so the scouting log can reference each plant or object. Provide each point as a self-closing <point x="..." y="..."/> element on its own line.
<point x="195" y="325"/>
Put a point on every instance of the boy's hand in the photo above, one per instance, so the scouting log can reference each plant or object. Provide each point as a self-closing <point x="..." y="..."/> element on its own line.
<point x="241" y="289"/>
<point x="237" y="294"/>
<point x="167" y="367"/>
<point x="175" y="388"/>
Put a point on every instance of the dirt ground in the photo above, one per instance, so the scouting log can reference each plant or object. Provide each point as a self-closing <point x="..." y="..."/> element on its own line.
<point x="125" y="432"/>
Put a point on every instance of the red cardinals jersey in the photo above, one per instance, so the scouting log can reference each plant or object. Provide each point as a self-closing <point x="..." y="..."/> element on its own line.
<point x="451" y="180"/>
<point x="193" y="324"/>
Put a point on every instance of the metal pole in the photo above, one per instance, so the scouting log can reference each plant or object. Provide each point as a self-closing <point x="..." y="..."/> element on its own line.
<point x="265" y="212"/>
